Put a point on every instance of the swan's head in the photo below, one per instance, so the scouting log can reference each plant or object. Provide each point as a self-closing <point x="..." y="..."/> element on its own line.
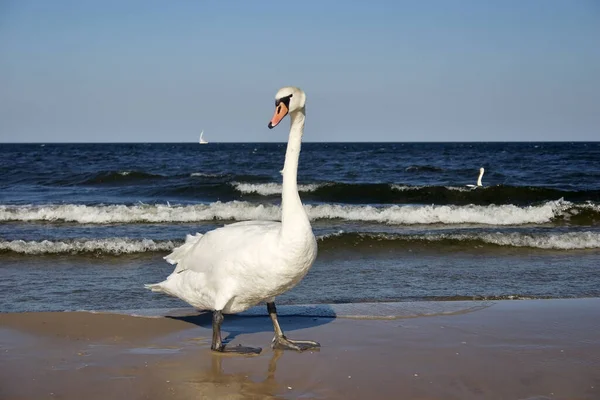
<point x="481" y="170"/>
<point x="288" y="100"/>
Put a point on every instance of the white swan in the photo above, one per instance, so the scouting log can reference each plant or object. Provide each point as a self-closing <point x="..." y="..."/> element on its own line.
<point x="481" y="171"/>
<point x="230" y="269"/>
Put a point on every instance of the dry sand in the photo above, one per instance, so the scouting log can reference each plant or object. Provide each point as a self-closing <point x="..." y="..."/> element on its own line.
<point x="538" y="349"/>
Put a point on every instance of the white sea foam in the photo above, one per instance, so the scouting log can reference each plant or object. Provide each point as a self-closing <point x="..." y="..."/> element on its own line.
<point x="450" y="214"/>
<point x="403" y="188"/>
<point x="103" y="246"/>
<point x="118" y="246"/>
<point x="462" y="188"/>
<point x="158" y="213"/>
<point x="556" y="241"/>
<point x="240" y="211"/>
<point x="267" y="189"/>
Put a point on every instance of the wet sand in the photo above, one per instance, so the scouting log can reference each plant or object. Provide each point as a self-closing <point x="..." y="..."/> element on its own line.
<point x="534" y="349"/>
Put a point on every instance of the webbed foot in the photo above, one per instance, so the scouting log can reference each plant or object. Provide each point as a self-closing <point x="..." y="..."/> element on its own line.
<point x="283" y="343"/>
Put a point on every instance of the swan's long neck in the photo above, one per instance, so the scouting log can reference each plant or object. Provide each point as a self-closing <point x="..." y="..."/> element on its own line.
<point x="293" y="216"/>
<point x="479" y="179"/>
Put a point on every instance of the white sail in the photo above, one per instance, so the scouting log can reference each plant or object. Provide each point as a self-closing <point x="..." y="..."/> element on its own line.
<point x="202" y="141"/>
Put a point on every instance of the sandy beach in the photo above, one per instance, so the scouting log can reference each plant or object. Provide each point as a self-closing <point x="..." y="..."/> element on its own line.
<point x="538" y="349"/>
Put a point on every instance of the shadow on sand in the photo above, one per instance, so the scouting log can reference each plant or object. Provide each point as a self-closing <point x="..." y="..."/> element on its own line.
<point x="256" y="320"/>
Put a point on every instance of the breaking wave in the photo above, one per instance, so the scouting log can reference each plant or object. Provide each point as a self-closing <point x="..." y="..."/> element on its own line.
<point x="548" y="241"/>
<point x="384" y="193"/>
<point x="551" y="211"/>
<point x="338" y="242"/>
<point x="111" y="246"/>
<point x="238" y="210"/>
<point x="269" y="189"/>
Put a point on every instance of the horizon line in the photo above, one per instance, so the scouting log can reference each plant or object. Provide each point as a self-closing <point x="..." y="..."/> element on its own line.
<point x="324" y="142"/>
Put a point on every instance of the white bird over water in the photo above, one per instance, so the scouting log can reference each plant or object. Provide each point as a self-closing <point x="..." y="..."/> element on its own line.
<point x="481" y="171"/>
<point x="232" y="268"/>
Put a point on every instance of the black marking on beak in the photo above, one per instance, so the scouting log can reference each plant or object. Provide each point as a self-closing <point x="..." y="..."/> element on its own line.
<point x="285" y="100"/>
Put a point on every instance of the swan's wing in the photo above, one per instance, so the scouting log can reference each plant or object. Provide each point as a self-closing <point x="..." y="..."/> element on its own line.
<point x="202" y="253"/>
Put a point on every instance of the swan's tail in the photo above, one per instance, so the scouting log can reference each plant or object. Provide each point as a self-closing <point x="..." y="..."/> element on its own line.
<point x="168" y="286"/>
<point x="175" y="258"/>
<point x="155" y="287"/>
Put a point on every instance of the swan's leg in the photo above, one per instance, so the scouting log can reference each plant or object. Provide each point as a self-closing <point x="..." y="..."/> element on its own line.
<point x="281" y="342"/>
<point x="217" y="342"/>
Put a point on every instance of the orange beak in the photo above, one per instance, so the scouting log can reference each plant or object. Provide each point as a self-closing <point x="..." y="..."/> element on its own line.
<point x="280" y="111"/>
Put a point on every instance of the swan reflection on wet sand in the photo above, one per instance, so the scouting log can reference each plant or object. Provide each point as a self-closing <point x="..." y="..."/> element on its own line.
<point x="267" y="386"/>
<point x="231" y="377"/>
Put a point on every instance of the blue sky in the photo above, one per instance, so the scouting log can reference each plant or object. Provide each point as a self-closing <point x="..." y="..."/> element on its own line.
<point x="156" y="71"/>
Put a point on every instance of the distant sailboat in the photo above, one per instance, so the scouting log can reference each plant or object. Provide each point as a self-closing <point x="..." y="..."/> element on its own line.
<point x="202" y="141"/>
